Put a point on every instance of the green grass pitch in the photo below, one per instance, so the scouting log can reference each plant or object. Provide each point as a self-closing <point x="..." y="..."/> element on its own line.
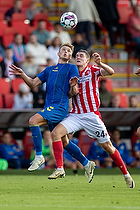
<point x="21" y="190"/>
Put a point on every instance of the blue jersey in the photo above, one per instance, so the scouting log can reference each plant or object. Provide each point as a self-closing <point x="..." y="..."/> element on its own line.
<point x="57" y="88"/>
<point x="137" y="146"/>
<point x="124" y="153"/>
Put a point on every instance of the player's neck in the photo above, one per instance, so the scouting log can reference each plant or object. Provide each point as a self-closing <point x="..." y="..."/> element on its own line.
<point x="62" y="61"/>
<point x="81" y="68"/>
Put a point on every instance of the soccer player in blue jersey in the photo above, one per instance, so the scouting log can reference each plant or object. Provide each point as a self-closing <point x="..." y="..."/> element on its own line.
<point x="61" y="80"/>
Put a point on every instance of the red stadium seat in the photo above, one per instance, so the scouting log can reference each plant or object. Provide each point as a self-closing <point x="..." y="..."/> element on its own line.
<point x="15" y="84"/>
<point x="84" y="142"/>
<point x="28" y="144"/>
<point x="43" y="16"/>
<point x="9" y="100"/>
<point x="18" y="16"/>
<point x="124" y="100"/>
<point x="8" y="35"/>
<point x="21" y="26"/>
<point x="5" y="86"/>
<point x="1" y="102"/>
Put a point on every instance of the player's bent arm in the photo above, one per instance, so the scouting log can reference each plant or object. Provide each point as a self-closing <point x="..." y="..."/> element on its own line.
<point x="31" y="82"/>
<point x="106" y="70"/>
<point x="137" y="72"/>
<point x="73" y="91"/>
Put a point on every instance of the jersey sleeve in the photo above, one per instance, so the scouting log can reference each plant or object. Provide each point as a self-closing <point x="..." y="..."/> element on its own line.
<point x="42" y="75"/>
<point x="74" y="71"/>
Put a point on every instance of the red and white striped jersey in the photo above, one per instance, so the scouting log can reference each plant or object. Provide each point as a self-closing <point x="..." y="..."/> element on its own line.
<point x="88" y="98"/>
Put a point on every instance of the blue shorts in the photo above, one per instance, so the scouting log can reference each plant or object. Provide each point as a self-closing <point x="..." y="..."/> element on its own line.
<point x="53" y="115"/>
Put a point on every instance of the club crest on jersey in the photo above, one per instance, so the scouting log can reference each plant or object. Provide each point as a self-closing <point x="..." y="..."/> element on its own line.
<point x="55" y="69"/>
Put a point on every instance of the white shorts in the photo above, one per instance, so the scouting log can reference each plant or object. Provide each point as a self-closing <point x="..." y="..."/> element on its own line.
<point x="90" y="122"/>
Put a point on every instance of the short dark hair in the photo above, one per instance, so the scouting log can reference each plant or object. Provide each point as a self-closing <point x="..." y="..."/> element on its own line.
<point x="86" y="52"/>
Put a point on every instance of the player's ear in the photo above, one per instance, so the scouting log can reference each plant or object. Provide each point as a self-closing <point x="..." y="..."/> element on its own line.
<point x="58" y="53"/>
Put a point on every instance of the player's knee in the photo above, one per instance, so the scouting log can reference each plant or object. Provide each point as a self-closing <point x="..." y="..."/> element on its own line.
<point x="55" y="135"/>
<point x="32" y="121"/>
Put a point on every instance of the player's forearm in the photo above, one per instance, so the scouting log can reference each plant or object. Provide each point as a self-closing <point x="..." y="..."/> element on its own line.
<point x="73" y="91"/>
<point x="107" y="69"/>
<point x="27" y="80"/>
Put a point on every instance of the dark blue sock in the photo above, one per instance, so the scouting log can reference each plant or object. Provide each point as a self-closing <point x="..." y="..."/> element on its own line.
<point x="75" y="151"/>
<point x="37" y="139"/>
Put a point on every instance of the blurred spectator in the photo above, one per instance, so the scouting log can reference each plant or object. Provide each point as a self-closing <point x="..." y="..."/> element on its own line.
<point x="47" y="150"/>
<point x="37" y="50"/>
<point x="50" y="62"/>
<point x="43" y="36"/>
<point x="53" y="49"/>
<point x="136" y="148"/>
<point x="28" y="66"/>
<point x="121" y="146"/>
<point x="18" y="48"/>
<point x="12" y="153"/>
<point x="24" y="98"/>
<point x="87" y="14"/>
<point x="134" y="29"/>
<point x="133" y="101"/>
<point x="17" y="8"/>
<point x="69" y="161"/>
<point x="78" y="44"/>
<point x="38" y="97"/>
<point x="61" y="33"/>
<point x="32" y="11"/>
<point x="115" y="101"/>
<point x="97" y="154"/>
<point x="3" y="164"/>
<point x="105" y="95"/>
<point x="109" y="16"/>
<point x="6" y="62"/>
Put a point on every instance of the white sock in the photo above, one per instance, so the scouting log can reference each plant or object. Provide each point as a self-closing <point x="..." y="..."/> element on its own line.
<point x="86" y="166"/>
<point x="126" y="175"/>
<point x="38" y="156"/>
<point x="61" y="169"/>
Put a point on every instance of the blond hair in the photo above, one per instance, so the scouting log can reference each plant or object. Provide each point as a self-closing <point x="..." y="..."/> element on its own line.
<point x="67" y="45"/>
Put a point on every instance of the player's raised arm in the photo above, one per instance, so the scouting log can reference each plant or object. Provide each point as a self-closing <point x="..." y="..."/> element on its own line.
<point x="137" y="72"/>
<point x="14" y="70"/>
<point x="106" y="69"/>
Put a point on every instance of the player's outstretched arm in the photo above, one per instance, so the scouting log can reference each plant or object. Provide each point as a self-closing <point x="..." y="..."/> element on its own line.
<point x="14" y="70"/>
<point x="73" y="87"/>
<point x="137" y="72"/>
<point x="106" y="69"/>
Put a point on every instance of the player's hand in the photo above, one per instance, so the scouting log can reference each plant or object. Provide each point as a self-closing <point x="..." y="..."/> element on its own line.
<point x="137" y="72"/>
<point x="14" y="70"/>
<point x="97" y="58"/>
<point x="73" y="81"/>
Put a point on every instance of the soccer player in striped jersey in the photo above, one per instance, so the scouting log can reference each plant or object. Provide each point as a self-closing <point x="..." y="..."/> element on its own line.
<point x="85" y="113"/>
<point x="60" y="79"/>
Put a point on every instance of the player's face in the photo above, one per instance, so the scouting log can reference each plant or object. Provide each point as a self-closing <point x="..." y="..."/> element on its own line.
<point x="65" y="53"/>
<point x="81" y="59"/>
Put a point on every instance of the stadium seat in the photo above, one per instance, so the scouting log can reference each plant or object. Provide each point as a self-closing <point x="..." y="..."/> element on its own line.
<point x="8" y="100"/>
<point x="15" y="84"/>
<point x="7" y="4"/>
<point x="21" y="26"/>
<point x="1" y="102"/>
<point x="3" y="25"/>
<point x="18" y="16"/>
<point x="43" y="16"/>
<point x="84" y="142"/>
<point x="28" y="144"/>
<point x="124" y="100"/>
<point x="5" y="86"/>
<point x="8" y="35"/>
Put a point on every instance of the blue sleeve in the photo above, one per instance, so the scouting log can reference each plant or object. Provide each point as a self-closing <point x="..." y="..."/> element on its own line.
<point x="42" y="75"/>
<point x="74" y="71"/>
